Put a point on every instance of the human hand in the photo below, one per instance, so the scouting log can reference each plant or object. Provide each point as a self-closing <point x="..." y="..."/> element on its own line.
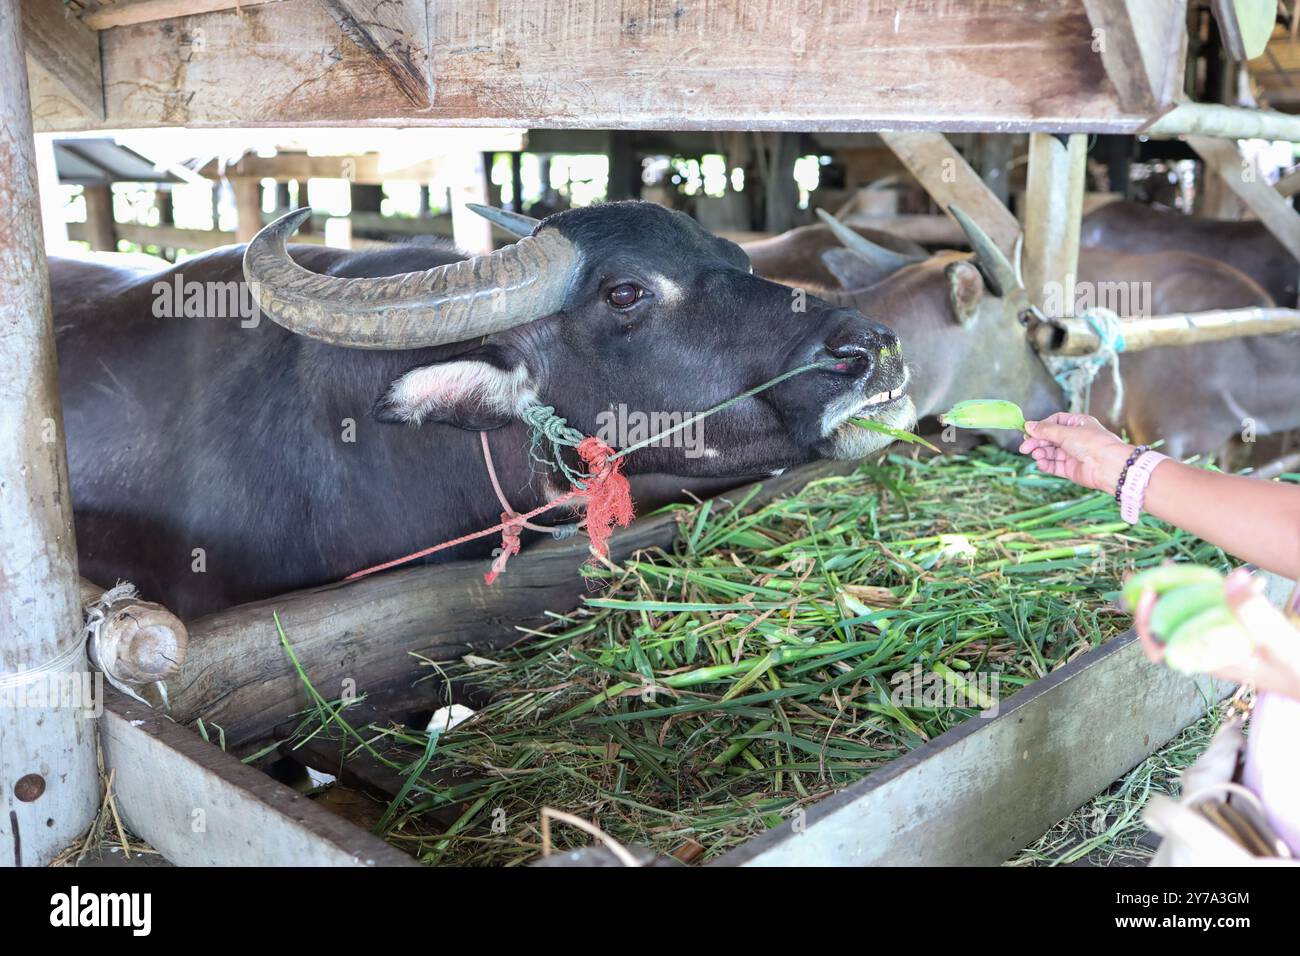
<point x="1078" y="448"/>
<point x="1274" y="662"/>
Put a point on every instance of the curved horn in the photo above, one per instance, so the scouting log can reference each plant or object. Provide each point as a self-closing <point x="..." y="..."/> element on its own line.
<point x="993" y="262"/>
<point x="884" y="260"/>
<point x="450" y="303"/>
<point x="514" y="223"/>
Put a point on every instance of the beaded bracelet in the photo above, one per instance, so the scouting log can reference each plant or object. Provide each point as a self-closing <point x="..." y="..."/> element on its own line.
<point x="1138" y="452"/>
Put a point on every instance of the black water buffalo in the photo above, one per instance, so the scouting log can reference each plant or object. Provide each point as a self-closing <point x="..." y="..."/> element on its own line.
<point x="1246" y="246"/>
<point x="217" y="459"/>
<point x="964" y="341"/>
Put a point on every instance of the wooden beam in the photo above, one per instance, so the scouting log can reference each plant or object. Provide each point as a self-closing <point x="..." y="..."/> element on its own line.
<point x="1053" y="209"/>
<point x="215" y="811"/>
<point x="126" y="12"/>
<point x="581" y="64"/>
<point x="237" y="674"/>
<point x="49" y="787"/>
<point x="1244" y="179"/>
<point x="949" y="179"/>
<point x="396" y="38"/>
<point x="67" y="51"/>
<point x="101" y="231"/>
<point x="248" y="206"/>
<point x="1143" y="46"/>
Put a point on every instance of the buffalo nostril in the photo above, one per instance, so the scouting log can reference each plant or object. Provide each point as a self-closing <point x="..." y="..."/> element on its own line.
<point x="855" y="356"/>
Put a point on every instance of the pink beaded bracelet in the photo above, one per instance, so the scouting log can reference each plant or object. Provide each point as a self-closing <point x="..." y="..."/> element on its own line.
<point x="1135" y="484"/>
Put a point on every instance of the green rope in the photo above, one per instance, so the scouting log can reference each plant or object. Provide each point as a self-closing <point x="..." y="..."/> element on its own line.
<point x="548" y="427"/>
<point x="555" y="431"/>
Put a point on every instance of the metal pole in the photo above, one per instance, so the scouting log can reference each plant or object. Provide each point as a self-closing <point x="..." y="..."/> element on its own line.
<point x="48" y="782"/>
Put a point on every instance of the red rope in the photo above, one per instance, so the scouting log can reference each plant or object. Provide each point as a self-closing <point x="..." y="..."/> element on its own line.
<point x="609" y="503"/>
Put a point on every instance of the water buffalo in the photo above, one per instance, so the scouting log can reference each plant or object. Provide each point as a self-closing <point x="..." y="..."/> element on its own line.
<point x="795" y="257"/>
<point x="964" y="341"/>
<point x="217" y="458"/>
<point x="1246" y="246"/>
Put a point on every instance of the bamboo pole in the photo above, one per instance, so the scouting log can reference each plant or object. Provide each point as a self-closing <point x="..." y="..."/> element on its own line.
<point x="49" y="787"/>
<point x="1226" y="122"/>
<point x="1070" y="336"/>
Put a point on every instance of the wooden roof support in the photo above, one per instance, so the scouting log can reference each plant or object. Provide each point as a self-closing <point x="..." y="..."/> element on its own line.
<point x="49" y="787"/>
<point x="949" y="179"/>
<point x="66" y="52"/>
<point x="1143" y="46"/>
<point x="1224" y="158"/>
<point x="1053" y="209"/>
<point x="568" y="64"/>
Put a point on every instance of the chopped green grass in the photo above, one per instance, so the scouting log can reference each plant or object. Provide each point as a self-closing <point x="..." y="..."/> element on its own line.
<point x="706" y="693"/>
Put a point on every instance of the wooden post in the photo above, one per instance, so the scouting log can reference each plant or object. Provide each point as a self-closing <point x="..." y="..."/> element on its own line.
<point x="995" y="155"/>
<point x="52" y="215"/>
<point x="162" y="200"/>
<point x="48" y="782"/>
<point x="248" y="206"/>
<point x="624" y="170"/>
<point x="780" y="189"/>
<point x="1054" y="205"/>
<point x="304" y="199"/>
<point x="516" y="182"/>
<point x="100" y="230"/>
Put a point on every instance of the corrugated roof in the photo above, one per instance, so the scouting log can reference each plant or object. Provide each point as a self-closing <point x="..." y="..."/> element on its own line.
<point x="98" y="161"/>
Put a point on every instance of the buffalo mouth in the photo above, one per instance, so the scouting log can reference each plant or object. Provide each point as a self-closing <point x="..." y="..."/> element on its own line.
<point x="890" y="406"/>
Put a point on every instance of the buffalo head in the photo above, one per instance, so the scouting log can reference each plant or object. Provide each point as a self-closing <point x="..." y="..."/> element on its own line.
<point x="619" y="305"/>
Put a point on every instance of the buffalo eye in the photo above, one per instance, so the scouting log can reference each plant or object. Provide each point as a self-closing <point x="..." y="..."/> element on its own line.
<point x="624" y="295"/>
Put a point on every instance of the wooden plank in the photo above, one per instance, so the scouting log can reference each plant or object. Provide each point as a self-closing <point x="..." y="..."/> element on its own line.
<point x="48" y="784"/>
<point x="395" y="36"/>
<point x="566" y="64"/>
<point x="1053" y="209"/>
<point x="1273" y="211"/>
<point x="360" y="637"/>
<point x="1050" y="748"/>
<point x="215" y="811"/>
<point x="126" y="12"/>
<point x="949" y="179"/>
<point x="1143" y="46"/>
<point x="67" y="52"/>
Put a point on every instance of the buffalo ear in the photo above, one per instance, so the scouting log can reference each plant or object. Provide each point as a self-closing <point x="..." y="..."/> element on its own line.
<point x="965" y="290"/>
<point x="471" y="393"/>
<point x="853" y="271"/>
